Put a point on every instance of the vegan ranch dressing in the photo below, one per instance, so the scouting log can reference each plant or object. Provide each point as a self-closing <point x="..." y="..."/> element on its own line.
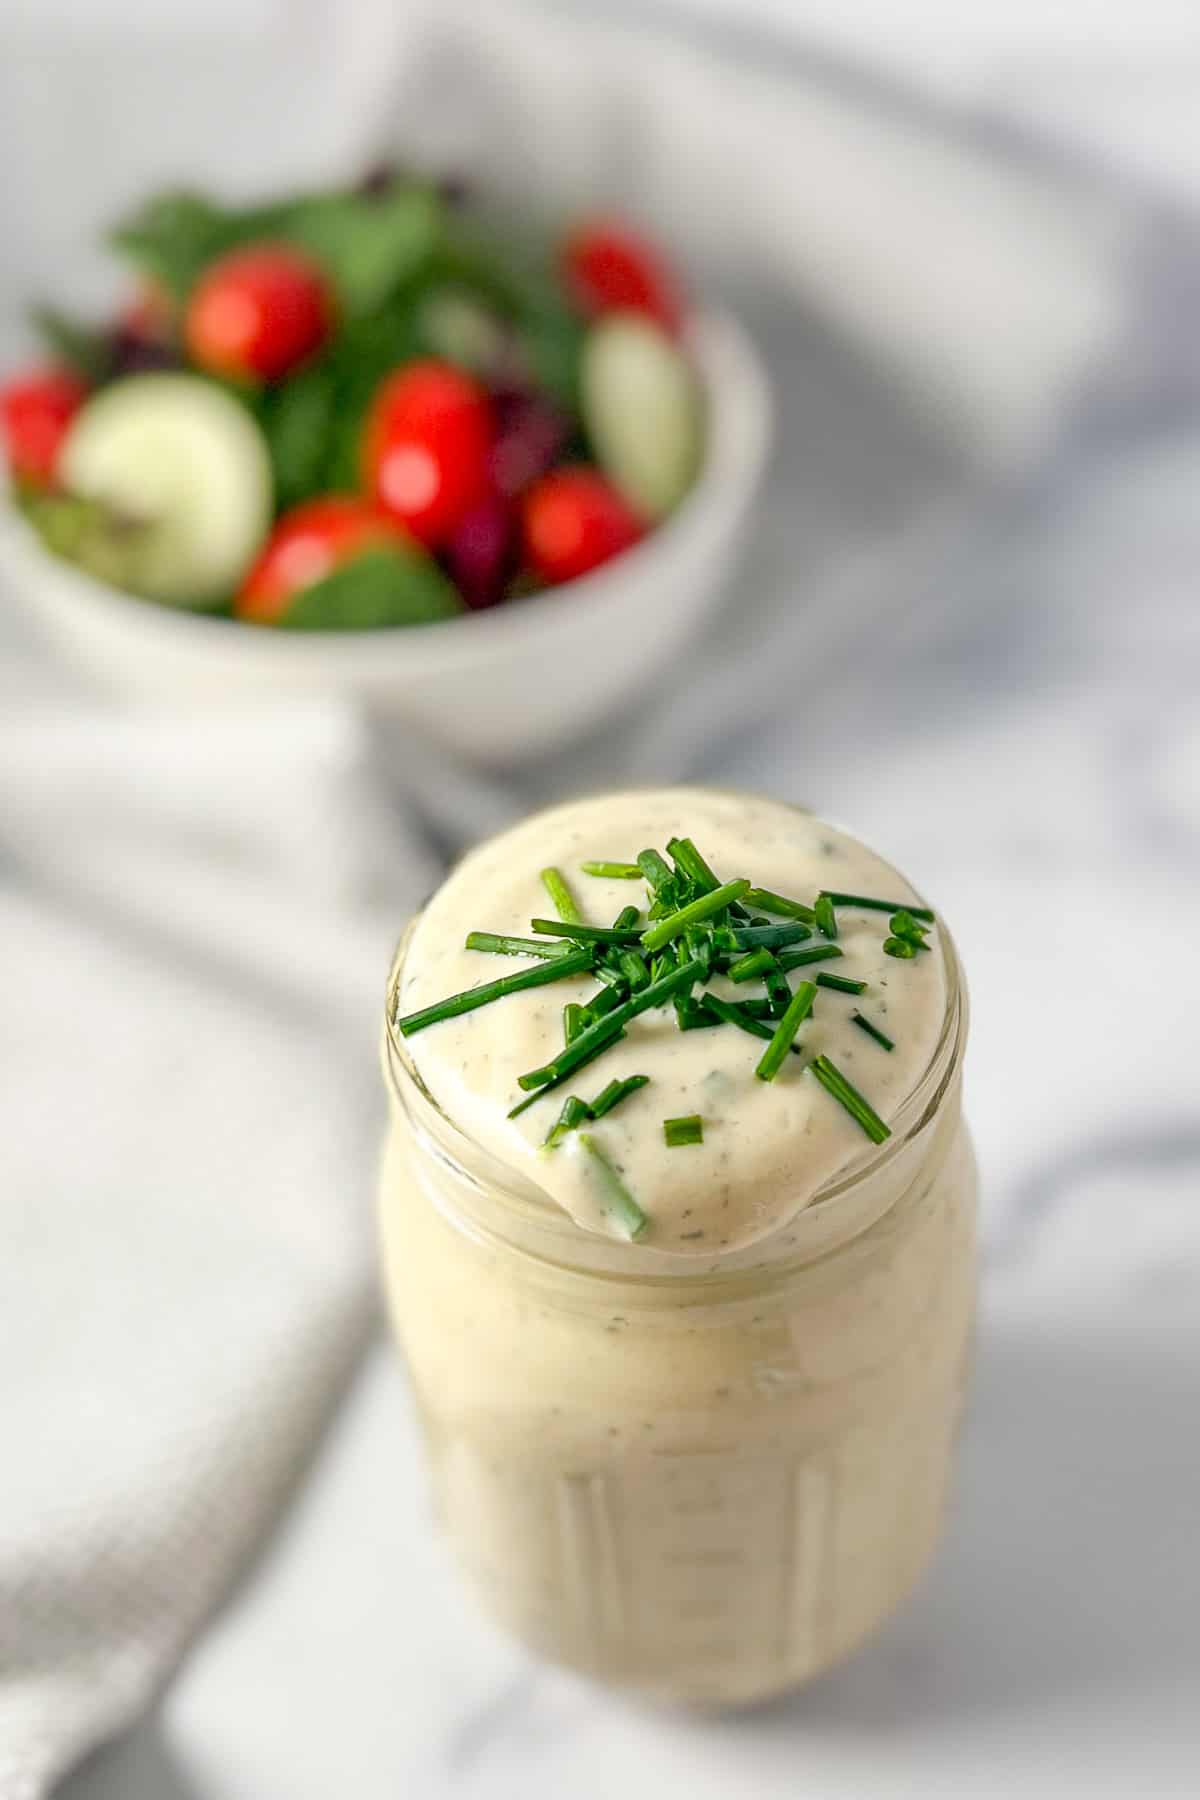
<point x="707" y="1464"/>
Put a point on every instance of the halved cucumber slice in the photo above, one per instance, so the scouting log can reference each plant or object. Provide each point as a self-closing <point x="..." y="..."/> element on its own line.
<point x="181" y="459"/>
<point x="642" y="411"/>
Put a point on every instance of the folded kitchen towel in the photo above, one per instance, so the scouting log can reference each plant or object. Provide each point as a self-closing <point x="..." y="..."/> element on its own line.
<point x="188" y="1109"/>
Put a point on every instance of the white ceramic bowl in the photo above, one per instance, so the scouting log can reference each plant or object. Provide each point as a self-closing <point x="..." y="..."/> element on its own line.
<point x="493" y="686"/>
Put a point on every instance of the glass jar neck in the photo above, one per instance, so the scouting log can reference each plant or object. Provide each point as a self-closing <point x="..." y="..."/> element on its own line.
<point x="493" y="1202"/>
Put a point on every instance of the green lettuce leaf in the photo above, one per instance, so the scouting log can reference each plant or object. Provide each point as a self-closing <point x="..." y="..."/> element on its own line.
<point x="381" y="587"/>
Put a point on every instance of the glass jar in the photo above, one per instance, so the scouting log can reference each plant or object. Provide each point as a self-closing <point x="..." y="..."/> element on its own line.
<point x="700" y="1482"/>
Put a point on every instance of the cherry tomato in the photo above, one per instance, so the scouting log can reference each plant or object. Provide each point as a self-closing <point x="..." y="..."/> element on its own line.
<point x="427" y="447"/>
<point x="307" y="544"/>
<point x="35" y="414"/>
<point x="609" y="268"/>
<point x="574" y="520"/>
<point x="256" y="313"/>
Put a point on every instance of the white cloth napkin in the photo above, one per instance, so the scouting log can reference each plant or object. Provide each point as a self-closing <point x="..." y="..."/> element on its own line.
<point x="195" y="918"/>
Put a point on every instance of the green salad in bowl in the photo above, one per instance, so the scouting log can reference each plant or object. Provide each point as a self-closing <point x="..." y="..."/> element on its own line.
<point x="359" y="408"/>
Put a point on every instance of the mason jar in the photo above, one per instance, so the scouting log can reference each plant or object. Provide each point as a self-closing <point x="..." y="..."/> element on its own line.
<point x="700" y="1485"/>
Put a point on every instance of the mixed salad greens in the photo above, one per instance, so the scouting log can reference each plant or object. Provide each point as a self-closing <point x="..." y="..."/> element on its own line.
<point x="366" y="407"/>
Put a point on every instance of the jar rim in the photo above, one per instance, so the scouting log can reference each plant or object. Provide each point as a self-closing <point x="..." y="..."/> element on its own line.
<point x="564" y="1241"/>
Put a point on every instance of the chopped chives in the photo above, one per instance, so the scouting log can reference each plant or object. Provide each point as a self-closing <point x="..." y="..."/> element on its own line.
<point x="612" y="871"/>
<point x="903" y="925"/>
<point x="500" y="944"/>
<point x="887" y="906"/>
<point x="731" y="1013"/>
<point x="766" y="901"/>
<point x="633" y="967"/>
<point x="585" y="934"/>
<point x="843" y="1091"/>
<point x="561" y="896"/>
<point x="799" y="959"/>
<point x="872" y="1030"/>
<point x="758" y="962"/>
<point x="575" y="1112"/>
<point x="756" y="937"/>
<point x="622" y="1207"/>
<point x="841" y="983"/>
<point x="574" y="1019"/>
<point x="691" y="914"/>
<point x="557" y="969"/>
<point x="688" y="1130"/>
<point x="781" y="1041"/>
<point x="611" y="976"/>
<point x="655" y="870"/>
<point x="689" y="860"/>
<point x="579" y="1052"/>
<point x="779" y="994"/>
<point x="615" y="1092"/>
<point x="596" y="1047"/>
<point x="901" y="947"/>
<point x="696" y="1016"/>
<point x="606" y="999"/>
<point x="626" y="919"/>
<point x="825" y="916"/>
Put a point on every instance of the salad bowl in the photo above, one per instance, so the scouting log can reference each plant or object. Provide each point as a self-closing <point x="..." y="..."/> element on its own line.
<point x="494" y="686"/>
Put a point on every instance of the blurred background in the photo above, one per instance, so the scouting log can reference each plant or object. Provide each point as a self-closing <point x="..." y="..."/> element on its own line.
<point x="935" y="576"/>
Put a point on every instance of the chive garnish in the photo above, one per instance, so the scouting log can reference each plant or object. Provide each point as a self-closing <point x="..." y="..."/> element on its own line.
<point x="633" y="967"/>
<point x="585" y="934"/>
<point x="557" y="969"/>
<point x="606" y="999"/>
<point x="748" y="967"/>
<point x="696" y="1016"/>
<point x="872" y="1030"/>
<point x="561" y="897"/>
<point x="691" y="914"/>
<point x="615" y="1092"/>
<point x="626" y="919"/>
<point x="825" y="916"/>
<point x="575" y="1112"/>
<point x="847" y="1095"/>
<point x="621" y="1204"/>
<point x="596" y="1047"/>
<point x="841" y="983"/>
<point x="581" y="1050"/>
<point x="731" y="1013"/>
<point x="771" y="937"/>
<point x="689" y="860"/>
<point x="612" y="871"/>
<point x="688" y="1130"/>
<point x="655" y="870"/>
<point x="799" y="959"/>
<point x="901" y="947"/>
<point x="887" y="906"/>
<point x="904" y="925"/>
<point x="574" y="1020"/>
<point x="500" y="944"/>
<point x="781" y="1042"/>
<point x="779" y="904"/>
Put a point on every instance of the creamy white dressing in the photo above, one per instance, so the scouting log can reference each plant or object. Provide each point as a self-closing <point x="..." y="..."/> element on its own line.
<point x="768" y="1146"/>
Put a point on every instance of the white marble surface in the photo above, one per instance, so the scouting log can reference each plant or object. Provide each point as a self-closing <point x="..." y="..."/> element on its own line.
<point x="1033" y="757"/>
